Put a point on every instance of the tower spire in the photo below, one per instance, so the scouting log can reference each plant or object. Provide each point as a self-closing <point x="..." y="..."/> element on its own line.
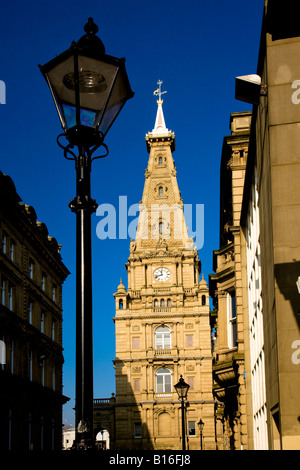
<point x="158" y="91"/>
<point x="160" y="125"/>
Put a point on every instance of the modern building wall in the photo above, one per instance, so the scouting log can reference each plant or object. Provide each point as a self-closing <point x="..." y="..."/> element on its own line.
<point x="254" y="318"/>
<point x="259" y="253"/>
<point x="270" y="220"/>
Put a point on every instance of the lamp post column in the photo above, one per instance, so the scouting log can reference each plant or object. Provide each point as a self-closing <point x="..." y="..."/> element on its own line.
<point x="183" y="423"/>
<point x="83" y="206"/>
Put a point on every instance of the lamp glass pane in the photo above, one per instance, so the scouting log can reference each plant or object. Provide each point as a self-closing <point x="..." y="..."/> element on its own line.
<point x="87" y="117"/>
<point x="56" y="76"/>
<point x="119" y="95"/>
<point x="109" y="117"/>
<point x="95" y="78"/>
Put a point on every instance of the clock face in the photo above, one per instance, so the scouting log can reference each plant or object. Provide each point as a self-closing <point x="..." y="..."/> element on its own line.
<point x="162" y="274"/>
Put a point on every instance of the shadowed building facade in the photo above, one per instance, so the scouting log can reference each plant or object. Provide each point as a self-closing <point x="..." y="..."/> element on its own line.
<point x="31" y="275"/>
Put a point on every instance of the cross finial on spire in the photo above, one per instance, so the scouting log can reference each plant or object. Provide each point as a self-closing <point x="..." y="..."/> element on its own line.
<point x="158" y="91"/>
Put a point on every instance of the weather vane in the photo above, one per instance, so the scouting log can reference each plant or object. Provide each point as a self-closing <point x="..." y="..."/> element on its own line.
<point x="158" y="91"/>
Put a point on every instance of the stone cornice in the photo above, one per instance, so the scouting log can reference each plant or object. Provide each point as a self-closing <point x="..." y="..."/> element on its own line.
<point x="159" y="316"/>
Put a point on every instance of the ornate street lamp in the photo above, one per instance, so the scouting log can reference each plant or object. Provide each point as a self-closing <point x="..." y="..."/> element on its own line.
<point x="201" y="426"/>
<point x="89" y="89"/>
<point x="182" y="390"/>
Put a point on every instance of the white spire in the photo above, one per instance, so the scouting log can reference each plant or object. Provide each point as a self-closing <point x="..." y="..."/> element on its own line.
<point x="160" y="125"/>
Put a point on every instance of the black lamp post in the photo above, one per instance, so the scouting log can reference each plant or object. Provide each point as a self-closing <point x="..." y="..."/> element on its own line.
<point x="89" y="89"/>
<point x="182" y="389"/>
<point x="201" y="426"/>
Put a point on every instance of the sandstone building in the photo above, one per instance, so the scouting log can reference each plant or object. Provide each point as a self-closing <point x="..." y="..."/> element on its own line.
<point x="162" y="319"/>
<point x="31" y="276"/>
<point x="226" y="291"/>
<point x="257" y="377"/>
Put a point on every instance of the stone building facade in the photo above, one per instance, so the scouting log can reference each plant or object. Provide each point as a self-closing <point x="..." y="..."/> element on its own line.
<point x="227" y="292"/>
<point x="31" y="276"/>
<point x="270" y="221"/>
<point x="257" y="378"/>
<point x="162" y="320"/>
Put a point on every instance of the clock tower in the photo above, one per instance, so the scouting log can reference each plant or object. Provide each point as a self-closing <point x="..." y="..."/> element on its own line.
<point x="162" y="320"/>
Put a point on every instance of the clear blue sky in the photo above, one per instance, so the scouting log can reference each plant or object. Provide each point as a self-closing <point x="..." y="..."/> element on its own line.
<point x="197" y="48"/>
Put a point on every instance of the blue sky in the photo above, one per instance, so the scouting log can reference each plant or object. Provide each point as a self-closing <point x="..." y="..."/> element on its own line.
<point x="196" y="48"/>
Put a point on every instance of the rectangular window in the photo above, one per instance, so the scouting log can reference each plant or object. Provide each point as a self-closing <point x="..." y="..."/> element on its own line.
<point x="231" y="313"/>
<point x="43" y="371"/>
<point x="30" y="311"/>
<point x="163" y="383"/>
<point x="4" y="242"/>
<point x="53" y="331"/>
<point x="54" y="293"/>
<point x="162" y="339"/>
<point x="136" y="343"/>
<point x="192" y="428"/>
<point x="10" y="296"/>
<point x="137" y="430"/>
<point x="2" y="353"/>
<point x="42" y="322"/>
<point x="189" y="341"/>
<point x="12" y="351"/>
<point x="43" y="281"/>
<point x="3" y="288"/>
<point x="31" y="267"/>
<point x="12" y="250"/>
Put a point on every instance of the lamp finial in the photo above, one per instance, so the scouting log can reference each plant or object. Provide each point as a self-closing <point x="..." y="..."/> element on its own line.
<point x="90" y="27"/>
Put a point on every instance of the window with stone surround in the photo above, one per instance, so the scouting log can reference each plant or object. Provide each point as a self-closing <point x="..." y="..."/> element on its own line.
<point x="163" y="380"/>
<point x="163" y="337"/>
<point x="137" y="430"/>
<point x="192" y="428"/>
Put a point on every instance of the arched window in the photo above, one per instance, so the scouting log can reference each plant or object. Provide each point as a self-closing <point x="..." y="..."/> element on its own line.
<point x="160" y="191"/>
<point x="121" y="304"/>
<point x="162" y="303"/>
<point x="169" y="303"/>
<point x="162" y="338"/>
<point x="155" y="303"/>
<point x="160" y="161"/>
<point x="163" y="380"/>
<point x="161" y="227"/>
<point x="203" y="300"/>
